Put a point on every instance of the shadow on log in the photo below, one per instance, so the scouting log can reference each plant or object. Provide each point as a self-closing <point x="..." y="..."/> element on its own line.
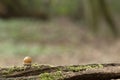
<point x="74" y="72"/>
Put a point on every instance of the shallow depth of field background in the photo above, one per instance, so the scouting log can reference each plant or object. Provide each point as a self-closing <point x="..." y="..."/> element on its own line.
<point x="59" y="37"/>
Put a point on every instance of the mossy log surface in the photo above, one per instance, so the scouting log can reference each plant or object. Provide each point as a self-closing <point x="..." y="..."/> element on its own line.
<point x="73" y="72"/>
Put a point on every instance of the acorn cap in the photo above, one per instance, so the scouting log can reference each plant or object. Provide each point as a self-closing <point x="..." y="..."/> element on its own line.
<point x="27" y="60"/>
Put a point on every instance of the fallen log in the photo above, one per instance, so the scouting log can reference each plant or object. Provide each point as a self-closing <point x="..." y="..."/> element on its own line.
<point x="73" y="72"/>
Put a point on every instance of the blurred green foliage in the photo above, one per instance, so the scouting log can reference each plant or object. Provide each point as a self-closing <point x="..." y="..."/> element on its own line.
<point x="115" y="6"/>
<point x="40" y="7"/>
<point x="15" y="35"/>
<point x="72" y="8"/>
<point x="65" y="7"/>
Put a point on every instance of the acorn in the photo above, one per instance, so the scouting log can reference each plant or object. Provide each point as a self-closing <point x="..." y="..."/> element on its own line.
<point x="27" y="61"/>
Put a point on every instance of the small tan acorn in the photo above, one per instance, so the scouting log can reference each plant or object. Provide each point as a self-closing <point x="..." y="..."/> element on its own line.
<point x="27" y="61"/>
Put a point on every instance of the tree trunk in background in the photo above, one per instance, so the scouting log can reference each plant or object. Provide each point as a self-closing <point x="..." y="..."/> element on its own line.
<point x="108" y="17"/>
<point x="93" y="9"/>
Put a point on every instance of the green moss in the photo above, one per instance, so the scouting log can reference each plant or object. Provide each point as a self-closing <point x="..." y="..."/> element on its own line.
<point x="35" y="66"/>
<point x="12" y="70"/>
<point x="38" y="66"/>
<point x="15" y="68"/>
<point x="84" y="67"/>
<point x="51" y="76"/>
<point x="7" y="71"/>
<point x="4" y="72"/>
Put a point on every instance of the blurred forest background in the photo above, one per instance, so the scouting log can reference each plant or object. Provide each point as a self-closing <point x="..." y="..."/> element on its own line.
<point x="59" y="32"/>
